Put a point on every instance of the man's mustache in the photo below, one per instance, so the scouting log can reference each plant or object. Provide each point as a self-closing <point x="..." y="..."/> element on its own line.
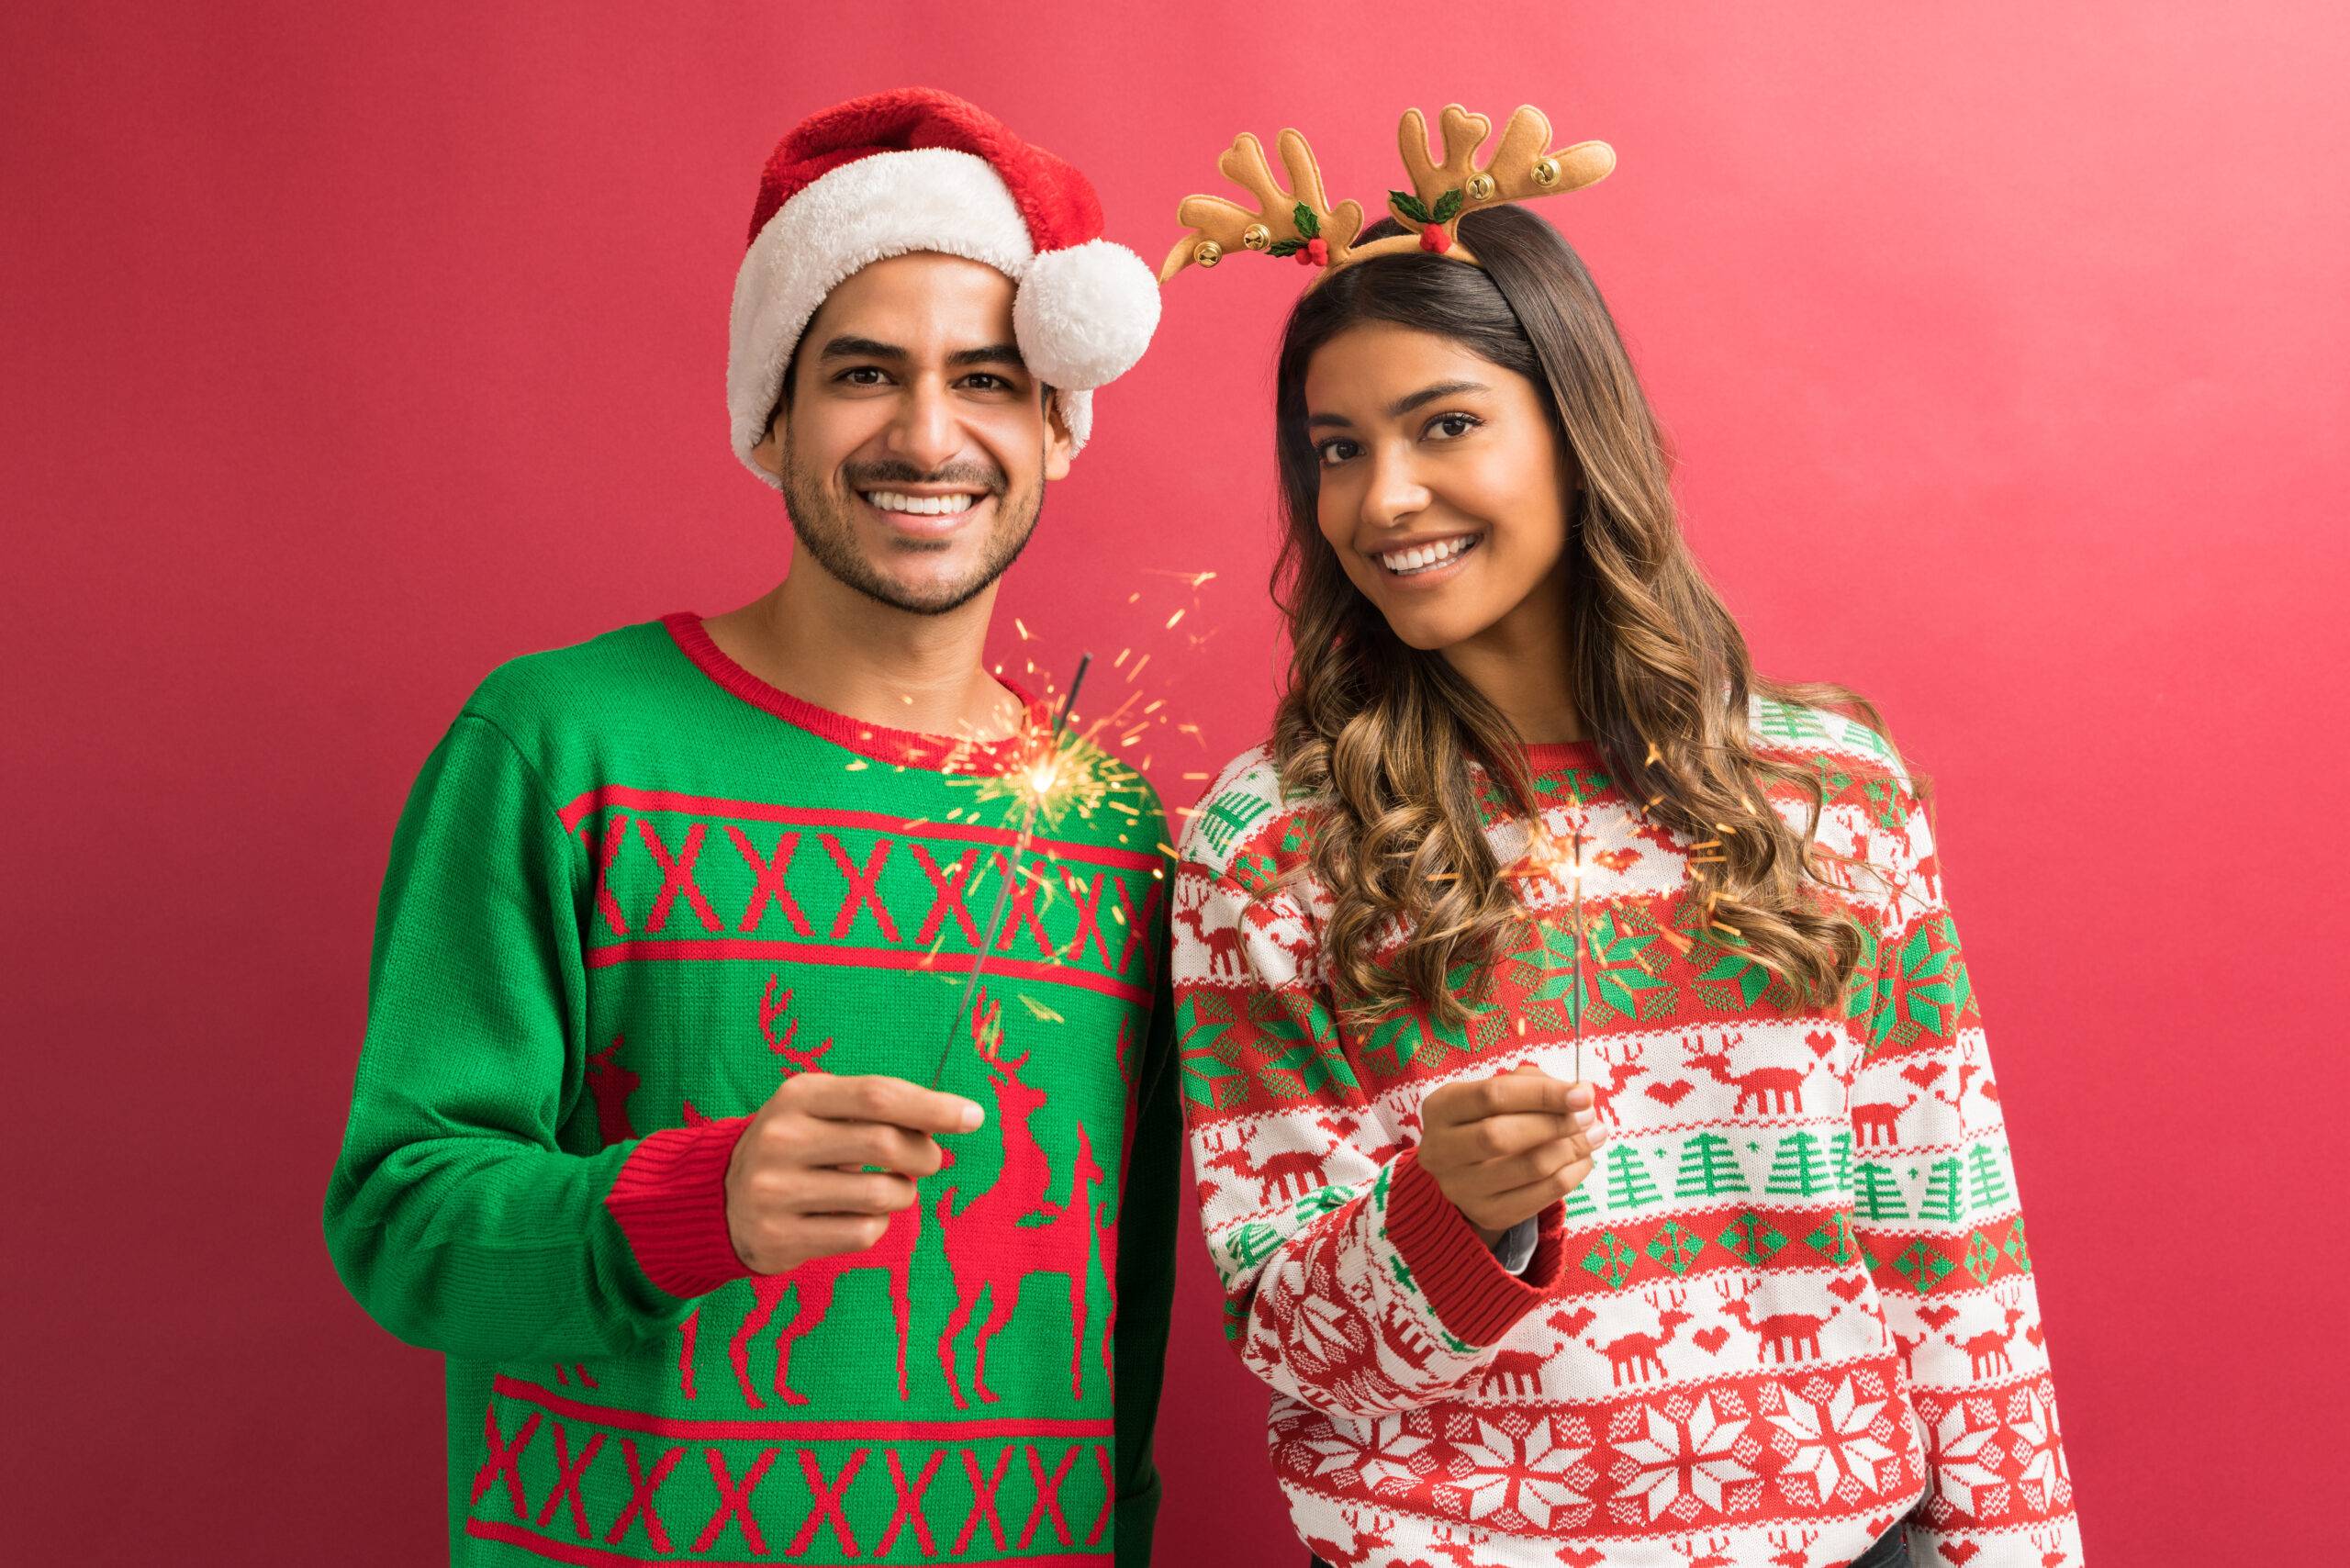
<point x="874" y="475"/>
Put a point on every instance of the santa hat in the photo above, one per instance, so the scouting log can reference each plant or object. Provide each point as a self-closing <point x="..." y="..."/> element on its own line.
<point x="920" y="170"/>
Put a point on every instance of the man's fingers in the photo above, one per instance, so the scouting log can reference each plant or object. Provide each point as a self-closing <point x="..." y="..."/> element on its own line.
<point x="825" y="1236"/>
<point x="854" y="1144"/>
<point x="893" y="1101"/>
<point x="847" y="1193"/>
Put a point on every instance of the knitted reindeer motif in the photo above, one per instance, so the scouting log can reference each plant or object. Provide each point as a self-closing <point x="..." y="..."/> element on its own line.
<point x="1619" y="1073"/>
<point x="989" y="1249"/>
<point x="1222" y="945"/>
<point x="611" y="1085"/>
<point x="1987" y="1353"/>
<point x="813" y="1282"/>
<point x="1765" y="1088"/>
<point x="1285" y="1175"/>
<point x="1632" y="1358"/>
<point x="1784" y="1334"/>
<point x="1879" y="1122"/>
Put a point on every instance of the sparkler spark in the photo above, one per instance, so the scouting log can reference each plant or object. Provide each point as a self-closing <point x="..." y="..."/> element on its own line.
<point x="1041" y="775"/>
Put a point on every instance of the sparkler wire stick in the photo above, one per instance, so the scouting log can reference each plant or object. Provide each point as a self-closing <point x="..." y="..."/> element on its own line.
<point x="1019" y="848"/>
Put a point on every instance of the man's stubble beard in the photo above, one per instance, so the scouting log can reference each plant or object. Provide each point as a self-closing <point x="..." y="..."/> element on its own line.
<point x="826" y="527"/>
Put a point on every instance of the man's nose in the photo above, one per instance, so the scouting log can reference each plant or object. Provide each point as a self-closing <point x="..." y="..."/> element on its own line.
<point x="926" y="433"/>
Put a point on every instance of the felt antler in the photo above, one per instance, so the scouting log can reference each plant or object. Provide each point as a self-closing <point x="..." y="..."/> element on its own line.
<point x="1283" y="223"/>
<point x="1300" y="222"/>
<point x="1520" y="166"/>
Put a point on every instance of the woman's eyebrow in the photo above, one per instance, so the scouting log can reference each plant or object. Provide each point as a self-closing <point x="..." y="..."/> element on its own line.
<point x="1401" y="406"/>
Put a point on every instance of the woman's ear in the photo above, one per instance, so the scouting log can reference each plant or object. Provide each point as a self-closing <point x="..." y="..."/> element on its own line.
<point x="1058" y="442"/>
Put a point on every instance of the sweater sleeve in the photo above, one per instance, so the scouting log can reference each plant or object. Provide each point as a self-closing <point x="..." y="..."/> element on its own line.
<point x="1147" y="1216"/>
<point x="1350" y="1282"/>
<point x="454" y="1214"/>
<point x="1937" y="1213"/>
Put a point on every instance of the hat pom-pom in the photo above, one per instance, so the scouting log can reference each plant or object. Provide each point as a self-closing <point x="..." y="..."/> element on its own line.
<point x="1084" y="315"/>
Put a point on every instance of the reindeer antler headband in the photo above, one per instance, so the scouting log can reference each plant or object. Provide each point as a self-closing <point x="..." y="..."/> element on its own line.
<point x="1300" y="222"/>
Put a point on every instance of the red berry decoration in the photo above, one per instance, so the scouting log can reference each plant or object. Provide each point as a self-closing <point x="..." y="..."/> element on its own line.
<point x="1314" y="253"/>
<point x="1436" y="238"/>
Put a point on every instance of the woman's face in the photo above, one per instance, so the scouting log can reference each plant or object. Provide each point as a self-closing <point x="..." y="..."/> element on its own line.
<point x="1443" y="491"/>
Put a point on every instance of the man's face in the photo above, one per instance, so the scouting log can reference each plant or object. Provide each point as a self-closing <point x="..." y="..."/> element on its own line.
<point x="914" y="448"/>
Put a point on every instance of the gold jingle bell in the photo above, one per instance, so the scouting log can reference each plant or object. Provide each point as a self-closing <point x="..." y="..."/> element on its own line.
<point x="1481" y="188"/>
<point x="1257" y="237"/>
<point x="1208" y="252"/>
<point x="1546" y="171"/>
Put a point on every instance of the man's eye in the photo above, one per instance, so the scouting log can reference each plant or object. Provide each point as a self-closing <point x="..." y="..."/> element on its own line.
<point x="863" y="375"/>
<point x="987" y="383"/>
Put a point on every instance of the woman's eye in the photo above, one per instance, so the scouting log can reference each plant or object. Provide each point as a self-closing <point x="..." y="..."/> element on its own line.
<point x="1335" y="451"/>
<point x="1455" y="426"/>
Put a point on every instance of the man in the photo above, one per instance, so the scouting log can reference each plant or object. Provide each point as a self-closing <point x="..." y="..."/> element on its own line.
<point x="678" y="929"/>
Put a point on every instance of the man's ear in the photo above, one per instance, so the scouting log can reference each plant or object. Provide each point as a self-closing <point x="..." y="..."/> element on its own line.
<point x="1058" y="442"/>
<point x="768" y="454"/>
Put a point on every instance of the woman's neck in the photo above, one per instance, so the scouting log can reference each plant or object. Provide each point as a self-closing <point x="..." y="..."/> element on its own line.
<point x="1522" y="664"/>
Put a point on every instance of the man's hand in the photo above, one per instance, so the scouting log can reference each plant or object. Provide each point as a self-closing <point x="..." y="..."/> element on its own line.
<point x="1505" y="1148"/>
<point x="799" y="1186"/>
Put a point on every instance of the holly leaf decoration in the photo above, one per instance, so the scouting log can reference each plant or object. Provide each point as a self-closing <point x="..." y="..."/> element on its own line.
<point x="1448" y="206"/>
<point x="1285" y="247"/>
<point x="1307" y="224"/>
<point x="1409" y="206"/>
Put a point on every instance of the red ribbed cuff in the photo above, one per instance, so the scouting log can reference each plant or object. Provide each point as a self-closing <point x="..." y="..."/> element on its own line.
<point x="670" y="1201"/>
<point x="1476" y="1299"/>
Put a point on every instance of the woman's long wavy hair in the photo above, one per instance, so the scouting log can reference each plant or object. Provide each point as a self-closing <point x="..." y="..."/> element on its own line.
<point x="1384" y="734"/>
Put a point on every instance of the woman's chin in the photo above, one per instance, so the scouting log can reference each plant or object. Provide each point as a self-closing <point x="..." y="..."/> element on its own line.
<point x="1428" y="633"/>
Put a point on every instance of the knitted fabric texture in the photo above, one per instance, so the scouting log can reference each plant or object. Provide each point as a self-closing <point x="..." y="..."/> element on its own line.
<point x="1791" y="1304"/>
<point x="634" y="890"/>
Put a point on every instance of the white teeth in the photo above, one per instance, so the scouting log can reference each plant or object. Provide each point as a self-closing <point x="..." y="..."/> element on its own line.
<point x="1420" y="557"/>
<point x="921" y="506"/>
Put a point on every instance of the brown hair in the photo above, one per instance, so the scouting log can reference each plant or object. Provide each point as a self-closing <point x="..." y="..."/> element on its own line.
<point x="1383" y="733"/>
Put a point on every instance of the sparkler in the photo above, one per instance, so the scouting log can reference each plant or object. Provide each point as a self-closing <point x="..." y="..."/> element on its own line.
<point x="1034" y="779"/>
<point x="1565" y="871"/>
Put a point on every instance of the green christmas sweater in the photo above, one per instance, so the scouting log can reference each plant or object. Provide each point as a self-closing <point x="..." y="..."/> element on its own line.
<point x="634" y="888"/>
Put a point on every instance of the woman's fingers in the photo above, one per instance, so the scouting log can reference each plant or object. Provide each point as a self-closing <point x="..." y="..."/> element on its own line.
<point x="1521" y="1170"/>
<point x="1499" y="1211"/>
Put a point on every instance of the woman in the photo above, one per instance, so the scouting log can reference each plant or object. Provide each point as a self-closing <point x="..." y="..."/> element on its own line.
<point x="1591" y="1112"/>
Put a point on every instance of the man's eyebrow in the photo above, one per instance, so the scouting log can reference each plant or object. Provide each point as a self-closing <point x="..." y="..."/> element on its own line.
<point x="1401" y="406"/>
<point x="993" y="353"/>
<point x="847" y="347"/>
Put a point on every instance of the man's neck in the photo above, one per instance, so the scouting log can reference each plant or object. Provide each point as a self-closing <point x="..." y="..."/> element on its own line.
<point x="826" y="644"/>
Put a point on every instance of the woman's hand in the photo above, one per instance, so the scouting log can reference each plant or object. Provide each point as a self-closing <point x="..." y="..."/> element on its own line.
<point x="1505" y="1148"/>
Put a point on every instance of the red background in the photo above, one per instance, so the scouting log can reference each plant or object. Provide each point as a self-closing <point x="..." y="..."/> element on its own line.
<point x="349" y="354"/>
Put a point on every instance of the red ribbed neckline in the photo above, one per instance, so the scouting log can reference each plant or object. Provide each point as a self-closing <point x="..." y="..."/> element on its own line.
<point x="1545" y="756"/>
<point x="906" y="748"/>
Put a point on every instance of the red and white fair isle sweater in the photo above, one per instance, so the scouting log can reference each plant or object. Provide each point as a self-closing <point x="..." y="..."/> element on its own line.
<point x="1791" y="1305"/>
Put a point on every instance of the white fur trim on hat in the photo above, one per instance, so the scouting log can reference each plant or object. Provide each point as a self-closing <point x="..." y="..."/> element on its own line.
<point x="931" y="198"/>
